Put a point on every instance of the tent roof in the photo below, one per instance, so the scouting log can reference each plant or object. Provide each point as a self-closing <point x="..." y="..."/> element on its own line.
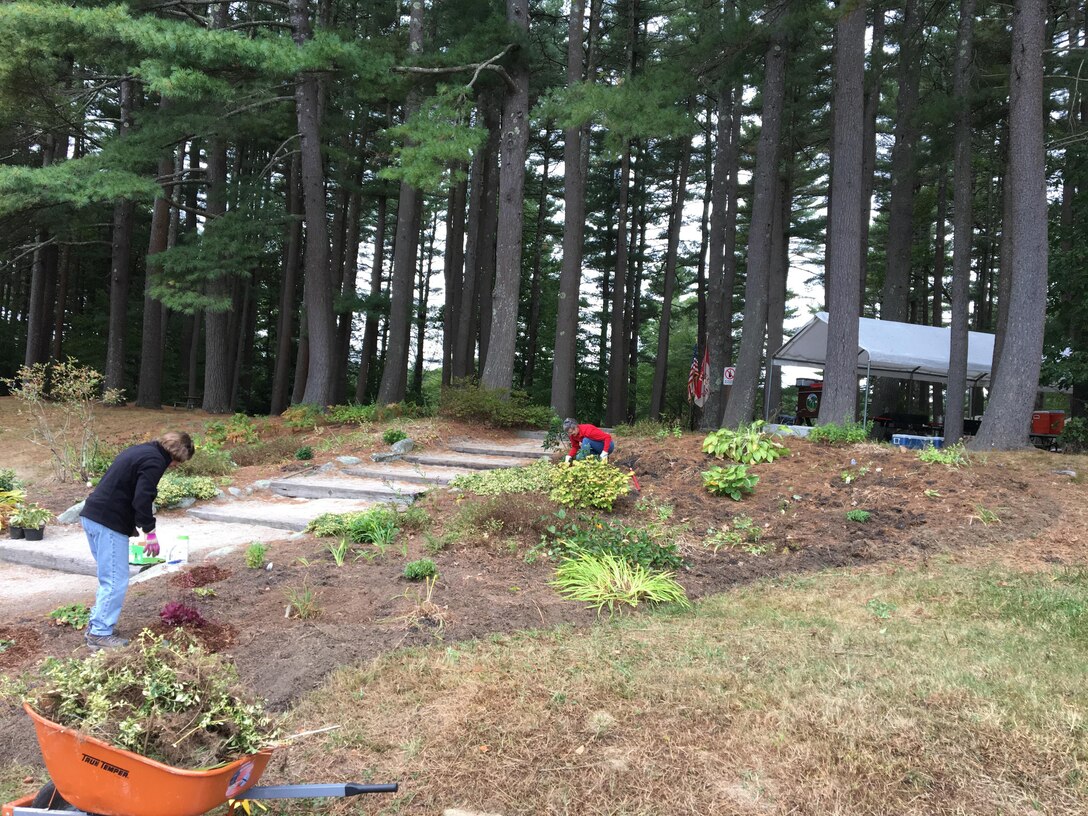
<point x="891" y="349"/>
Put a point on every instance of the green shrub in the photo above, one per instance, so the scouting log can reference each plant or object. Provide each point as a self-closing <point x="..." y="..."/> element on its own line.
<point x="255" y="554"/>
<point x="589" y="483"/>
<point x="75" y="615"/>
<point x="602" y="537"/>
<point x="173" y="487"/>
<point x="414" y="518"/>
<point x="848" y="433"/>
<point x="393" y="435"/>
<point x="378" y="526"/>
<point x="303" y="417"/>
<point x="208" y="461"/>
<point x="610" y="581"/>
<point x="265" y="453"/>
<point x="238" y="430"/>
<point x="418" y="570"/>
<point x="747" y="445"/>
<point x="346" y="414"/>
<point x="555" y="439"/>
<point x="953" y="455"/>
<point x="305" y="453"/>
<point x="1074" y="438"/>
<point x="732" y="481"/>
<point x="534" y="478"/>
<point x="100" y="459"/>
<point x="8" y="480"/>
<point x="497" y="407"/>
<point x="860" y="516"/>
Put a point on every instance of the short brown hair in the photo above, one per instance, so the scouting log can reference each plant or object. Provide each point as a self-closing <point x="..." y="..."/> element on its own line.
<point x="178" y="444"/>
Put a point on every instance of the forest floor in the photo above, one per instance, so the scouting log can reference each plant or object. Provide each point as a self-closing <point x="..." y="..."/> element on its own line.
<point x="1009" y="513"/>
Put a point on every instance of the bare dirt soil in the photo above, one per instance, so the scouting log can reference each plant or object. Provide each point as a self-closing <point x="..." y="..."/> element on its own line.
<point x="485" y="586"/>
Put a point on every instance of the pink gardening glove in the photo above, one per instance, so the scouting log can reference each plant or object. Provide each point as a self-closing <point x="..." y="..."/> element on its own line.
<point x="151" y="545"/>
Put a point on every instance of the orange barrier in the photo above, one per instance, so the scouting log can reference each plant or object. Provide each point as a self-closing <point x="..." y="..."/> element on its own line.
<point x="98" y="778"/>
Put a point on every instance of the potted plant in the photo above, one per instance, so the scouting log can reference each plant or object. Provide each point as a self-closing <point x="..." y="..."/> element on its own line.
<point x="10" y="500"/>
<point x="31" y="518"/>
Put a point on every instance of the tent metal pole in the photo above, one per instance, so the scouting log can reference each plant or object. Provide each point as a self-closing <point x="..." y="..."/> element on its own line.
<point x="868" y="379"/>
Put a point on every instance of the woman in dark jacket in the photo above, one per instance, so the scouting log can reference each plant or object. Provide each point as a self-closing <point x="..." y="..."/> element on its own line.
<point x="122" y="502"/>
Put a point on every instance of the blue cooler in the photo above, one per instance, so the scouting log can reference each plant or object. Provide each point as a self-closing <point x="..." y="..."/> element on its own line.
<point x="917" y="442"/>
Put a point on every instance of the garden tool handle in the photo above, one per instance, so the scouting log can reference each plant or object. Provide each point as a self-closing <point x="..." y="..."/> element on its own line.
<point x="339" y="789"/>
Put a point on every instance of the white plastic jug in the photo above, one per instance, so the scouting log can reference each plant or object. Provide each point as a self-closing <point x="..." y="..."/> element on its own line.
<point x="179" y="551"/>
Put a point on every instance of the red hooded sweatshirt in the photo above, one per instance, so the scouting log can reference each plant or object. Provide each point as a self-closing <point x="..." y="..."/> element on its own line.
<point x="588" y="431"/>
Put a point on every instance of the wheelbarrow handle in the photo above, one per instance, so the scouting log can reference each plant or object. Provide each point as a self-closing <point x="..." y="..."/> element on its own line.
<point x="337" y="790"/>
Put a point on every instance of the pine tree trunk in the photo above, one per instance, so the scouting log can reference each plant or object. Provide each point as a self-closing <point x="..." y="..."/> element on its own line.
<point x="720" y="261"/>
<point x="676" y="218"/>
<point x="368" y="356"/>
<point x="318" y="297"/>
<point x="350" y="267"/>
<point x="149" y="394"/>
<point x="533" y="327"/>
<point x="120" y="266"/>
<point x="285" y="320"/>
<point x="868" y="167"/>
<point x="1007" y="419"/>
<point x="565" y="361"/>
<point x="895" y="297"/>
<point x="453" y="276"/>
<point x="64" y="274"/>
<point x="499" y="366"/>
<point x="840" y="395"/>
<point x="218" y="359"/>
<point x="616" y="411"/>
<point x="486" y="249"/>
<point x="45" y="257"/>
<point x="940" y="249"/>
<point x="776" y="302"/>
<point x="764" y="182"/>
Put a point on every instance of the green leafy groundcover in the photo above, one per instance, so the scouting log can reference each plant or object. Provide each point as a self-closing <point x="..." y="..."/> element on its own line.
<point x="173" y="488"/>
<point x="169" y="701"/>
<point x="534" y="478"/>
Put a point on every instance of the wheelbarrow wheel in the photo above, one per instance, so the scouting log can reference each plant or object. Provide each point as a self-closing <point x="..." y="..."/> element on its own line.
<point x="49" y="799"/>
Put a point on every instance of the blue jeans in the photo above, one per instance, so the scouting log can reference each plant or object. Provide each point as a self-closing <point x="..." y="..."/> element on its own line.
<point x="110" y="551"/>
<point x="593" y="448"/>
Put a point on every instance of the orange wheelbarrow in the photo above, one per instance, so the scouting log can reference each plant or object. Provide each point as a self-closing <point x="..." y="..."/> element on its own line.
<point x="94" y="778"/>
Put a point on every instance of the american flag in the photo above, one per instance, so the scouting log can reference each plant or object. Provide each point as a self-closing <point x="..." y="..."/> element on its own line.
<point x="695" y="376"/>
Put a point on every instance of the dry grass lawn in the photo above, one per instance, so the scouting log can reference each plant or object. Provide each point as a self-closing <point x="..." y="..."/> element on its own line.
<point x="934" y="691"/>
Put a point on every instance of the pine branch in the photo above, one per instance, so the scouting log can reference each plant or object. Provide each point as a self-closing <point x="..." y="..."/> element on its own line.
<point x="477" y="67"/>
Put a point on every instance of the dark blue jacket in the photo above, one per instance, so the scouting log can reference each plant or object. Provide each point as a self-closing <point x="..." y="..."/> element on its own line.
<point x="123" y="499"/>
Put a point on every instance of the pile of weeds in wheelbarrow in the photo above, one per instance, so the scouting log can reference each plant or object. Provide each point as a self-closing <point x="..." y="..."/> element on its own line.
<point x="167" y="700"/>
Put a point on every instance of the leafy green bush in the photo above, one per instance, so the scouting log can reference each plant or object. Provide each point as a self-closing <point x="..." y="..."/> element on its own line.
<point x="748" y="445"/>
<point x="601" y="537"/>
<point x="393" y="435"/>
<point x="100" y="459"/>
<point x="305" y="453"/>
<point x="497" y="407"/>
<point x="609" y="581"/>
<point x="8" y="480"/>
<point x="555" y="439"/>
<point x="255" y="555"/>
<point x="534" y="478"/>
<point x="860" y="516"/>
<point x="75" y="615"/>
<point x="346" y="414"/>
<point x="418" y="570"/>
<point x="589" y="483"/>
<point x="378" y="525"/>
<point x="238" y="430"/>
<point x="173" y="487"/>
<point x="953" y="455"/>
<point x="303" y="417"/>
<point x="732" y="481"/>
<point x="169" y="701"/>
<point x="208" y="461"/>
<point x="415" y="518"/>
<point x="848" y="433"/>
<point x="1074" y="438"/>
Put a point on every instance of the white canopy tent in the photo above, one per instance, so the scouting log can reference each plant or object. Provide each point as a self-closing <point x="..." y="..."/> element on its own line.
<point x="886" y="348"/>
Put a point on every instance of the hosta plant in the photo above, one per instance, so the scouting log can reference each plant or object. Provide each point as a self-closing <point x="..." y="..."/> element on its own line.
<point x="589" y="483"/>
<point x="610" y="581"/>
<point x="747" y="445"/>
<point x="732" y="481"/>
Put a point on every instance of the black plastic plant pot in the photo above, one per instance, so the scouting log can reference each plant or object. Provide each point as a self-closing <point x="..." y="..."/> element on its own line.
<point x="34" y="535"/>
<point x="15" y="532"/>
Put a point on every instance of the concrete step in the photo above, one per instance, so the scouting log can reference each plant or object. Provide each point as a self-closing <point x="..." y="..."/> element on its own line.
<point x="494" y="449"/>
<point x="471" y="462"/>
<point x="531" y="435"/>
<point x="288" y="514"/>
<point x="65" y="547"/>
<point x="406" y="473"/>
<point x="342" y="488"/>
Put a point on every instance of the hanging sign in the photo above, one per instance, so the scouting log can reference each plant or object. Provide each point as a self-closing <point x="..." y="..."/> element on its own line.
<point x="729" y="375"/>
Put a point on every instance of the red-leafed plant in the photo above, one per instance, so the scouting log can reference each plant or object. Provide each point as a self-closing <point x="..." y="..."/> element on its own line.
<point x="176" y="613"/>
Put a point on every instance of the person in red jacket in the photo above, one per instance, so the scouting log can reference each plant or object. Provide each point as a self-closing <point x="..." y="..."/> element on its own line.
<point x="587" y="440"/>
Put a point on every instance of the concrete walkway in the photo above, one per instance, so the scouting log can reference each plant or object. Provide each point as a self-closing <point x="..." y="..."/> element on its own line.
<point x="289" y="505"/>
